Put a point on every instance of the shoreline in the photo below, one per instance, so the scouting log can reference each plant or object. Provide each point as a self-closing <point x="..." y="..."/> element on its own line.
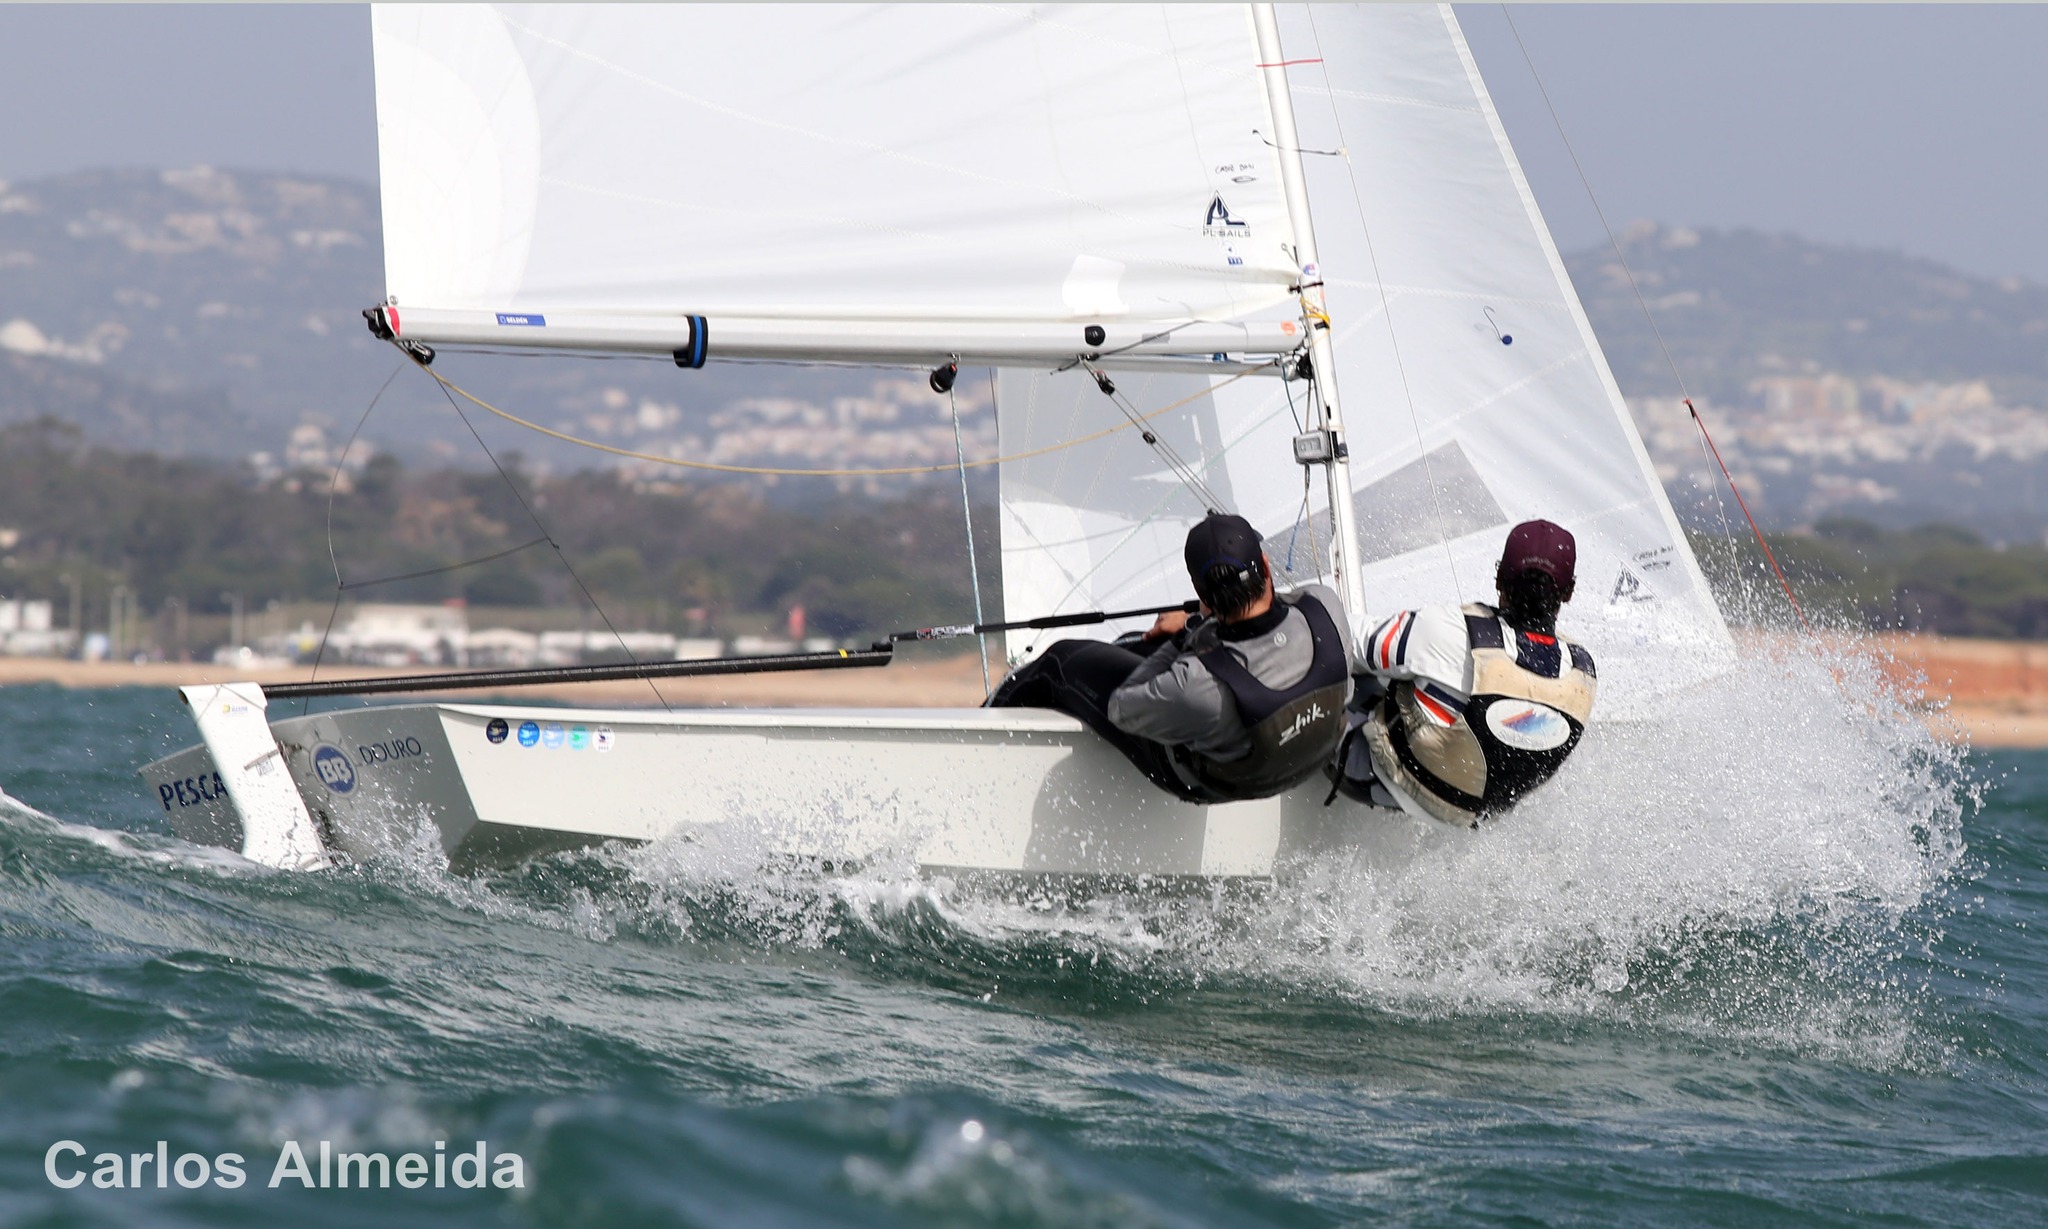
<point x="1994" y="693"/>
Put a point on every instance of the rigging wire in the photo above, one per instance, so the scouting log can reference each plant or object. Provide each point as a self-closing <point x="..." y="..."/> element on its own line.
<point x="452" y="567"/>
<point x="449" y="386"/>
<point x="343" y="585"/>
<point x="1307" y="514"/>
<point x="967" y="514"/>
<point x="334" y="485"/>
<point x="1699" y="422"/>
<point x="1187" y="474"/>
<point x="588" y="596"/>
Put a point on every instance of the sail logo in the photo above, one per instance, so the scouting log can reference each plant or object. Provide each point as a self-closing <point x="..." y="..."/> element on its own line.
<point x="1221" y="223"/>
<point x="1629" y="588"/>
<point x="1314" y="714"/>
<point x="331" y="765"/>
<point x="1630" y="585"/>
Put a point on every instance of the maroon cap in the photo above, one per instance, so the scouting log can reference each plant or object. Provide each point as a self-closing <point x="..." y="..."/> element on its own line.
<point x="1547" y="548"/>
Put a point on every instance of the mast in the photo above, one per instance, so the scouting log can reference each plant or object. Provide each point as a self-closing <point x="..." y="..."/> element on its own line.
<point x="1322" y="355"/>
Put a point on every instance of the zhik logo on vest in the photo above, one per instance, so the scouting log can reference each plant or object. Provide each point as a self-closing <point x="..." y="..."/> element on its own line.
<point x="1314" y="714"/>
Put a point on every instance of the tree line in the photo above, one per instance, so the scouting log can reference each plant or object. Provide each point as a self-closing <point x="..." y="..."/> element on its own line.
<point x="1850" y="573"/>
<point x="698" y="557"/>
<point x="717" y="559"/>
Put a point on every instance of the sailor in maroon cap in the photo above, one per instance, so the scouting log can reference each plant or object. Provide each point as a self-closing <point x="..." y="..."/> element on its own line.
<point x="1473" y="706"/>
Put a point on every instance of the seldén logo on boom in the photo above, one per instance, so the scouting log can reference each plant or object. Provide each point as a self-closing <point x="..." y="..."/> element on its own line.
<point x="1221" y="224"/>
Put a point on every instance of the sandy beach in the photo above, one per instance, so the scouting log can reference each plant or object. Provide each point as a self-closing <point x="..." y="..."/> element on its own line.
<point x="912" y="681"/>
<point x="1995" y="693"/>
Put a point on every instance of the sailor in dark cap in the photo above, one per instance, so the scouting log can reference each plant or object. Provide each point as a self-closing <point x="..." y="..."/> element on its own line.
<point x="1471" y="707"/>
<point x="1244" y="700"/>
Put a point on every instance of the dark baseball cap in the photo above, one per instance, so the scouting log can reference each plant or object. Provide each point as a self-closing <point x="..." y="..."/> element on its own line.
<point x="1543" y="547"/>
<point x="1220" y="538"/>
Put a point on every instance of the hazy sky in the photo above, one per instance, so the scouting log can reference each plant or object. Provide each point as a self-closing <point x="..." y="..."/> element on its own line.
<point x="1902" y="126"/>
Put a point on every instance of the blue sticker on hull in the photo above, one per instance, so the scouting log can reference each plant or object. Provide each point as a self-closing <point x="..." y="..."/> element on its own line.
<point x="331" y="765"/>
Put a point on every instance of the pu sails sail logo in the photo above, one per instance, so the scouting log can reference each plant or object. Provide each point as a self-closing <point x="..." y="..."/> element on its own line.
<point x="1221" y="223"/>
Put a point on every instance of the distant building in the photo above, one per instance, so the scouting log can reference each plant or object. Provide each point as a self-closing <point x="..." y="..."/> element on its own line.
<point x="26" y="631"/>
<point x="393" y="634"/>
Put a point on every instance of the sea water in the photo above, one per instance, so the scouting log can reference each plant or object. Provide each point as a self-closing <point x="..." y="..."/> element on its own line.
<point x="1772" y="961"/>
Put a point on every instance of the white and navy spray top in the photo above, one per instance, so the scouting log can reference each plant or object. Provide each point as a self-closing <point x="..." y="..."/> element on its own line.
<point x="1480" y="712"/>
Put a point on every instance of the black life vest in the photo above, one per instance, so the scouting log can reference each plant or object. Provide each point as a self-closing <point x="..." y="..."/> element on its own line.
<point x="1517" y="729"/>
<point x="1294" y="730"/>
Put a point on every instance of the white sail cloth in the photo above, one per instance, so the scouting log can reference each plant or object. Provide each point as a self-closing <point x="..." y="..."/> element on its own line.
<point x="1475" y="394"/>
<point x="938" y="163"/>
<point x="829" y="181"/>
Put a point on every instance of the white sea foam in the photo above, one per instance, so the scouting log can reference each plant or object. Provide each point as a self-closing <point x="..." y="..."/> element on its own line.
<point x="1795" y="791"/>
<point x="141" y="847"/>
<point x="1750" y="860"/>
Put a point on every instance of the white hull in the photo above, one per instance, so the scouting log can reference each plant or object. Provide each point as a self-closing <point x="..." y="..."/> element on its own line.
<point x="1004" y="790"/>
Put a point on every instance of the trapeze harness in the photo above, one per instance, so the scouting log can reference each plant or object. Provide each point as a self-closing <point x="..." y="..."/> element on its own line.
<point x="1528" y="708"/>
<point x="1294" y="730"/>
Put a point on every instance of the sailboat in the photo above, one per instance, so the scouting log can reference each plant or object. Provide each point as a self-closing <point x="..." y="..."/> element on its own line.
<point x="1273" y="259"/>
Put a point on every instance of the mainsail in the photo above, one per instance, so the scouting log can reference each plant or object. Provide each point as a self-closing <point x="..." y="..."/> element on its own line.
<point x="1051" y="189"/>
<point x="880" y="182"/>
<point x="1475" y="394"/>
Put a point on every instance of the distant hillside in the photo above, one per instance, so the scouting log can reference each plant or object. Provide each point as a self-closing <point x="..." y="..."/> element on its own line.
<point x="1737" y="304"/>
<point x="184" y="310"/>
<point x="208" y="312"/>
<point x="211" y="313"/>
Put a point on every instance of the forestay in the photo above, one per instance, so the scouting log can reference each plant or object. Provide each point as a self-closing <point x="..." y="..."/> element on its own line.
<point x="1475" y="393"/>
<point x="895" y="183"/>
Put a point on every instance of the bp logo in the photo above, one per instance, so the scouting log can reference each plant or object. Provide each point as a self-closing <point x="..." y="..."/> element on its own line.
<point x="333" y="768"/>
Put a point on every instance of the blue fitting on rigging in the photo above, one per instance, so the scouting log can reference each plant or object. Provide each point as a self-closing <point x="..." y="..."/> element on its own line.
<point x="692" y="355"/>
